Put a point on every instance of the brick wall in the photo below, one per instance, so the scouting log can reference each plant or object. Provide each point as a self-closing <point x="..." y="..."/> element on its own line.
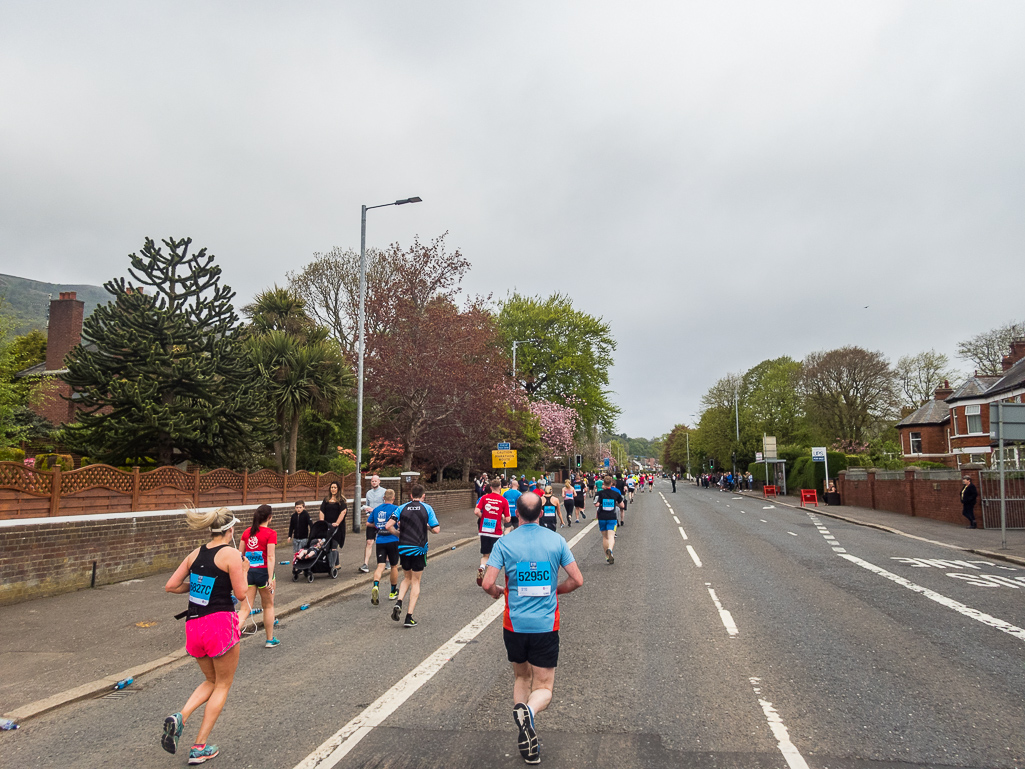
<point x="41" y="556"/>
<point x="914" y="494"/>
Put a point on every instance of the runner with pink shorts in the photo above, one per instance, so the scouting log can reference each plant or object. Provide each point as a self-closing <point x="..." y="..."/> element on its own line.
<point x="209" y="574"/>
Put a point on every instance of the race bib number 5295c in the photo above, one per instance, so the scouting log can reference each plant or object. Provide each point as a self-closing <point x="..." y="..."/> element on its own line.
<point x="534" y="579"/>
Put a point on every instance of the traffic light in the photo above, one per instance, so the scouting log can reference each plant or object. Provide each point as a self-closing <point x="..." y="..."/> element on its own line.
<point x="711" y="464"/>
<point x="579" y="459"/>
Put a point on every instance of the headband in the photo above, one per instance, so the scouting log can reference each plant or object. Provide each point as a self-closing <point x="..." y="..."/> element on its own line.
<point x="226" y="526"/>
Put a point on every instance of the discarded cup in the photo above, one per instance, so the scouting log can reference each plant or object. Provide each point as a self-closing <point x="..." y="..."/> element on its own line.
<point x="124" y="682"/>
<point x="7" y="725"/>
<point x="304" y="607"/>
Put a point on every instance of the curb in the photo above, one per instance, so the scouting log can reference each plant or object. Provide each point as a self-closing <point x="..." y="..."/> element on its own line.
<point x="1018" y="560"/>
<point x="106" y="684"/>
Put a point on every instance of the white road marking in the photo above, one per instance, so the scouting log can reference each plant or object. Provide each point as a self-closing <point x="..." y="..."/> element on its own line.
<point x="736" y="497"/>
<point x="684" y="535"/>
<point x="791" y="534"/>
<point x="839" y="550"/>
<point x="694" y="556"/>
<point x="950" y="603"/>
<point x="725" y="616"/>
<point x="341" y="743"/>
<point x="763" y="520"/>
<point x="770" y="507"/>
<point x="790" y="753"/>
<point x="676" y="519"/>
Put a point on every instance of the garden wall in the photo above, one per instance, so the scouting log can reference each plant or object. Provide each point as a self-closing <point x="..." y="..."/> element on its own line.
<point x="932" y="494"/>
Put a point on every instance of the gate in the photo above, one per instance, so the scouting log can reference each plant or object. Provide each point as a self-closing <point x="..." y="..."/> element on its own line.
<point x="989" y="492"/>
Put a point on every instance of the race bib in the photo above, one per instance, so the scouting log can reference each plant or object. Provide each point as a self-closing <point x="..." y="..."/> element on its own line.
<point x="488" y="525"/>
<point x="200" y="588"/>
<point x="255" y="558"/>
<point x="533" y="579"/>
<point x="608" y="504"/>
<point x="578" y="488"/>
<point x="549" y="511"/>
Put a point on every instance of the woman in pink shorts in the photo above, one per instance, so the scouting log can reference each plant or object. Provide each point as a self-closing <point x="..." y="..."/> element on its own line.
<point x="209" y="574"/>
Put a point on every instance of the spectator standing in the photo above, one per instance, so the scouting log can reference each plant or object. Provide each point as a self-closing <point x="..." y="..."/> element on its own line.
<point x="969" y="496"/>
<point x="374" y="498"/>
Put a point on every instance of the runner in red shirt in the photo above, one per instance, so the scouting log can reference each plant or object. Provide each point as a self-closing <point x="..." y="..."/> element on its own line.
<point x="258" y="544"/>
<point x="492" y="515"/>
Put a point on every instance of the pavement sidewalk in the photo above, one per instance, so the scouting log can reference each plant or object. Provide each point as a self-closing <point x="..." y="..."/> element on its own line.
<point x="64" y="648"/>
<point x="984" y="542"/>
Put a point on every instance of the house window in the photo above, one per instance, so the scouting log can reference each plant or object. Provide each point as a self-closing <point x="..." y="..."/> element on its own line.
<point x="973" y="415"/>
<point x="916" y="443"/>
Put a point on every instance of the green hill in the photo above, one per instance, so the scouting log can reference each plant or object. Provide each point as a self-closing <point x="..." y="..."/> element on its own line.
<point x="28" y="300"/>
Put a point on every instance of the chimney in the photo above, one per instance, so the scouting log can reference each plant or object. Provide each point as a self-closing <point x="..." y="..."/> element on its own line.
<point x="944" y="391"/>
<point x="65" y="329"/>
<point x="1017" y="353"/>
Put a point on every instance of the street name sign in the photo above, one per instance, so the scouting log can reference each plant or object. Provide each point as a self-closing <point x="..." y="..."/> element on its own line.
<point x="818" y="453"/>
<point x="504" y="446"/>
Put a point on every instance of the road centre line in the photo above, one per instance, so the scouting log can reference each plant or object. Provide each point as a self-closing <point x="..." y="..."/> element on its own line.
<point x="791" y="534"/>
<point x="676" y="519"/>
<point x="684" y="535"/>
<point x="725" y="616"/>
<point x="763" y="520"/>
<point x="694" y="556"/>
<point x="341" y="743"/>
<point x="932" y="595"/>
<point x="790" y="753"/>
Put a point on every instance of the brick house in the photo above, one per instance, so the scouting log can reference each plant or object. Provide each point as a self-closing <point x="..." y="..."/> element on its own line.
<point x="63" y="334"/>
<point x="962" y="435"/>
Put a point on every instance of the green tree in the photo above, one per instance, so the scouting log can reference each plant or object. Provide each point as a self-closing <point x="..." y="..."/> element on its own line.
<point x="302" y="368"/>
<point x="919" y="375"/>
<point x="162" y="372"/>
<point x="775" y="400"/>
<point x="986" y="351"/>
<point x="566" y="356"/>
<point x="850" y="393"/>
<point x="11" y="395"/>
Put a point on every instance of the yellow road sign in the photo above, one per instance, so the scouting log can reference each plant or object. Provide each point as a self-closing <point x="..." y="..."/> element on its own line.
<point x="505" y="458"/>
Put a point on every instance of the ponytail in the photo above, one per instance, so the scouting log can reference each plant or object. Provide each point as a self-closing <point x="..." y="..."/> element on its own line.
<point x="261" y="516"/>
<point x="211" y="519"/>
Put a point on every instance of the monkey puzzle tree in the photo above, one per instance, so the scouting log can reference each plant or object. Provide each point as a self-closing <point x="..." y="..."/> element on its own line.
<point x="162" y="371"/>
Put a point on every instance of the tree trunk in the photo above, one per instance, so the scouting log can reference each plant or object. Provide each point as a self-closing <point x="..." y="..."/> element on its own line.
<point x="279" y="454"/>
<point x="466" y="471"/>
<point x="293" y="442"/>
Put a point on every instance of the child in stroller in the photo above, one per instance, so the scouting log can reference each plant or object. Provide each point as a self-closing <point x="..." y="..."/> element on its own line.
<point x="314" y="558"/>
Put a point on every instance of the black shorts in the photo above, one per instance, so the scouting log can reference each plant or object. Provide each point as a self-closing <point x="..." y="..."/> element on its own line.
<point x="578" y="501"/>
<point x="413" y="562"/>
<point x="539" y="649"/>
<point x="257" y="577"/>
<point x="388" y="551"/>
<point x="569" y="504"/>
<point x="371" y="532"/>
<point x="487" y="544"/>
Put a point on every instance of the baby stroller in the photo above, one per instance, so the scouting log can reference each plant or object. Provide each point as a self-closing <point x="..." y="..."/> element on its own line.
<point x="315" y="558"/>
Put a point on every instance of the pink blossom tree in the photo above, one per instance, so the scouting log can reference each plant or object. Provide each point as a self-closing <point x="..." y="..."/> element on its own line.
<point x="558" y="425"/>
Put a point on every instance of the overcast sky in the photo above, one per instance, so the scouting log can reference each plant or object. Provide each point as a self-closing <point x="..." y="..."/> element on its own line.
<point x="722" y="182"/>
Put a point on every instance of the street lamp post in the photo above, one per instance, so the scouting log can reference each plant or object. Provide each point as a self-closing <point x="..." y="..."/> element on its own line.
<point x="357" y="505"/>
<point x="516" y="343"/>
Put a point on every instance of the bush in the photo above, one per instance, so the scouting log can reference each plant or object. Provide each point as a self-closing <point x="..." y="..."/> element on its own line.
<point x="342" y="464"/>
<point x="806" y="474"/>
<point x="12" y="454"/>
<point x="49" y="461"/>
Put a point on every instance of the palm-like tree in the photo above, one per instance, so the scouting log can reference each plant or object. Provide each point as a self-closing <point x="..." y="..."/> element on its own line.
<point x="302" y="369"/>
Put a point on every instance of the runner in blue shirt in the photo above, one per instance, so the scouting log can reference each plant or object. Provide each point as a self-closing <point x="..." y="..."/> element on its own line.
<point x="531" y="557"/>
<point x="387" y="546"/>
<point x="511" y="495"/>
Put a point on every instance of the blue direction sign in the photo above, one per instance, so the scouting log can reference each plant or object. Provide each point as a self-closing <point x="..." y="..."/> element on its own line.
<point x="504" y="446"/>
<point x="608" y="462"/>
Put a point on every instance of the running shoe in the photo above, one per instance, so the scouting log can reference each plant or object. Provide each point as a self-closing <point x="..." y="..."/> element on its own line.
<point x="611" y="559"/>
<point x="269" y="645"/>
<point x="410" y="622"/>
<point x="173" y="727"/>
<point x="276" y="622"/>
<point x="393" y="595"/>
<point x="364" y="569"/>
<point x="480" y="576"/>
<point x="584" y="516"/>
<point x="375" y="595"/>
<point x="528" y="744"/>
<point x="396" y="611"/>
<point x="201" y="756"/>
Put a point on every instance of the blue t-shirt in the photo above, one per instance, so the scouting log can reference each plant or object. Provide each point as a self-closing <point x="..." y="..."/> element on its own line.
<point x="511" y="495"/>
<point x="531" y="557"/>
<point x="379" y="517"/>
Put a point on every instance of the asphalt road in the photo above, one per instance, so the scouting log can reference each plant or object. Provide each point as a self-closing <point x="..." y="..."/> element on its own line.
<point x="798" y="641"/>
